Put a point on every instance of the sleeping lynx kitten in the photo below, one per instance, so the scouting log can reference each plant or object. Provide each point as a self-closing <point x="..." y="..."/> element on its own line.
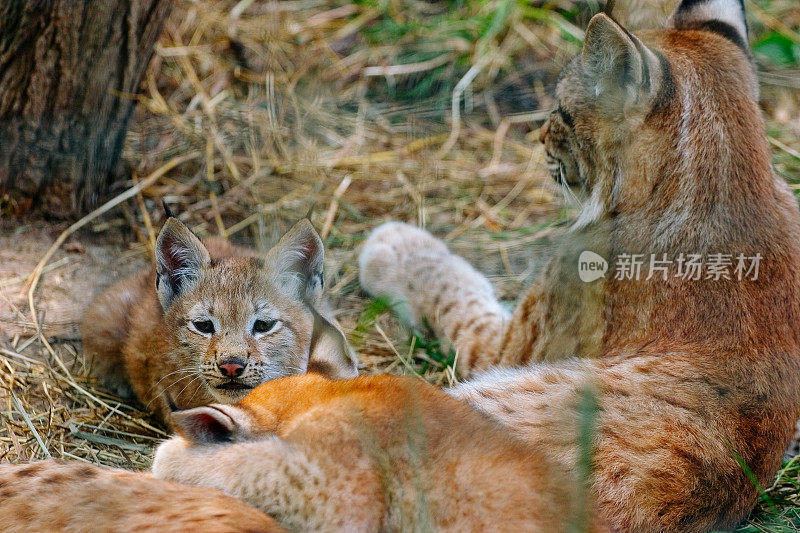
<point x="213" y="321"/>
<point x="650" y="403"/>
<point x="378" y="453"/>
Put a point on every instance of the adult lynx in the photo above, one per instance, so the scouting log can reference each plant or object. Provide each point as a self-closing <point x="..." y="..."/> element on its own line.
<point x="696" y="374"/>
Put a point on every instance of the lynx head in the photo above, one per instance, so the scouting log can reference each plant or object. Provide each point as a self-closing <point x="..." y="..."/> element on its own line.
<point x="645" y="121"/>
<point x="242" y="320"/>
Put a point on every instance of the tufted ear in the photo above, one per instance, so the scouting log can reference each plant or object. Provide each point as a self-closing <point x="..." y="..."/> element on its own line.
<point x="211" y="424"/>
<point x="298" y="260"/>
<point x="330" y="353"/>
<point x="179" y="258"/>
<point x="619" y="69"/>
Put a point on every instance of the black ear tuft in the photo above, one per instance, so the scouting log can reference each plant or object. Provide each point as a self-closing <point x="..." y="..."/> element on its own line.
<point x="167" y="210"/>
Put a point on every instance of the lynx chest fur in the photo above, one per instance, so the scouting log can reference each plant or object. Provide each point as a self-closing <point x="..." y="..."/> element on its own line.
<point x="213" y="321"/>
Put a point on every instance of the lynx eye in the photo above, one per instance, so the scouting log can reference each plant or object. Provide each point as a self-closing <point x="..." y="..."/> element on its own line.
<point x="206" y="327"/>
<point x="262" y="326"/>
<point x="566" y="117"/>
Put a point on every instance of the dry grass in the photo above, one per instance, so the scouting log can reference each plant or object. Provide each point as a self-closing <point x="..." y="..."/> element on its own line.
<point x="342" y="110"/>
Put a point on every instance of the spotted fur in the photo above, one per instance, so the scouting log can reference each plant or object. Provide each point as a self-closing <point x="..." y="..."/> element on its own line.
<point x="264" y="313"/>
<point x="378" y="453"/>
<point x="77" y="498"/>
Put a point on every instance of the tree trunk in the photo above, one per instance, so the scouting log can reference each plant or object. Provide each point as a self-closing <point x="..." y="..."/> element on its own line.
<point x="66" y="68"/>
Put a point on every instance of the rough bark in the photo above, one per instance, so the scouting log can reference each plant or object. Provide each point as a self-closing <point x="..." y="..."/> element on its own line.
<point x="64" y="68"/>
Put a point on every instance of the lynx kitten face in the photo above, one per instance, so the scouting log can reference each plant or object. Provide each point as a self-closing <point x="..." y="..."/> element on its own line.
<point x="240" y="321"/>
<point x="214" y="321"/>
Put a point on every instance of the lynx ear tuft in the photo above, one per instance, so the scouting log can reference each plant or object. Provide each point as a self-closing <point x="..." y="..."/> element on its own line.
<point x="619" y="69"/>
<point x="210" y="424"/>
<point x="179" y="258"/>
<point x="167" y="210"/>
<point x="298" y="259"/>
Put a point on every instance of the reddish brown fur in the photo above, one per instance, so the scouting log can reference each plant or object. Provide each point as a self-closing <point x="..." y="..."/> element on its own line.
<point x="378" y="453"/>
<point x="54" y="496"/>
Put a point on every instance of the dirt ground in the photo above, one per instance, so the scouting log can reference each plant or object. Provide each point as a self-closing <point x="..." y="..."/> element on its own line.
<point x="77" y="274"/>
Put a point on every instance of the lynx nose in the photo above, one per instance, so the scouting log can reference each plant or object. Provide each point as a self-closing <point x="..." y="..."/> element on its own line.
<point x="232" y="368"/>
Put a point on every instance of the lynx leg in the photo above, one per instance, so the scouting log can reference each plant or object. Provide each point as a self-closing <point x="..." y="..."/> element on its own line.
<point x="425" y="281"/>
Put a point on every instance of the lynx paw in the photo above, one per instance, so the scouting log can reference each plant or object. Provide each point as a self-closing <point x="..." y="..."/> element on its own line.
<point x="385" y="261"/>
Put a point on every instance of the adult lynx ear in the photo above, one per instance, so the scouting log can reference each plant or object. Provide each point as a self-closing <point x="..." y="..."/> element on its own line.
<point x="331" y="354"/>
<point x="725" y="17"/>
<point x="298" y="260"/>
<point x="179" y="258"/>
<point x="211" y="424"/>
<point x="620" y="70"/>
